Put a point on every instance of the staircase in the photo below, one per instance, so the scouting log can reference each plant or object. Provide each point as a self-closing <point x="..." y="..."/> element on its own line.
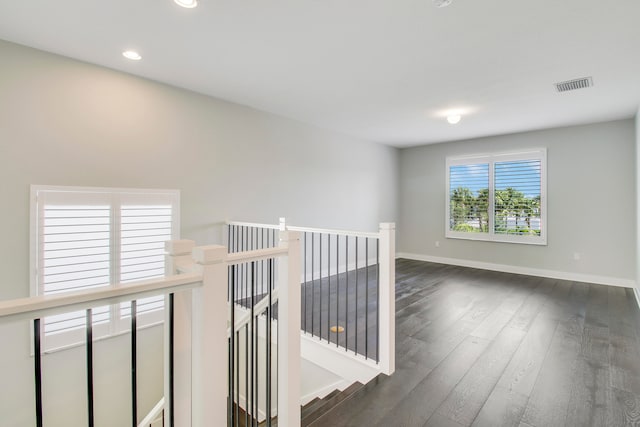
<point x="312" y="412"/>
<point x="344" y="310"/>
<point x="293" y="328"/>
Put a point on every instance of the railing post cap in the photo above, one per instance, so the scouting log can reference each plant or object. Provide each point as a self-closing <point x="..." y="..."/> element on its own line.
<point x="179" y="247"/>
<point x="387" y="226"/>
<point x="289" y="236"/>
<point x="209" y="254"/>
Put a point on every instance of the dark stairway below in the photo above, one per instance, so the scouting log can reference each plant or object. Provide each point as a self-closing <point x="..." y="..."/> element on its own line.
<point x="312" y="412"/>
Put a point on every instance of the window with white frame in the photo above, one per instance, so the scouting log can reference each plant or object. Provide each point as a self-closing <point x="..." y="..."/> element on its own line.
<point x="84" y="238"/>
<point x="498" y="197"/>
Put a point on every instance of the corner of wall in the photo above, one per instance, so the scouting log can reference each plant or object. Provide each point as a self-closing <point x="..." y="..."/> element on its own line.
<point x="637" y="288"/>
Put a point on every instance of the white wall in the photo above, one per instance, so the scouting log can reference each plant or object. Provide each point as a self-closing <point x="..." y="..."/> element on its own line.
<point x="637" y="157"/>
<point x="591" y="203"/>
<point x="64" y="122"/>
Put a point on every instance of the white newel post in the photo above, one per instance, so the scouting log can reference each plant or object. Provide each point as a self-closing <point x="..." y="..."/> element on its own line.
<point x="387" y="297"/>
<point x="209" y="336"/>
<point x="289" y="331"/>
<point x="178" y="254"/>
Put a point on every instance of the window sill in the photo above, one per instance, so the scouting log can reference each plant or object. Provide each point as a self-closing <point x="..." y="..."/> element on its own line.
<point x="536" y="241"/>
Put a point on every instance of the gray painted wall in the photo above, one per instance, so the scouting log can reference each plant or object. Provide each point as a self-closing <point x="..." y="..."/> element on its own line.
<point x="590" y="168"/>
<point x="64" y="122"/>
<point x="637" y="157"/>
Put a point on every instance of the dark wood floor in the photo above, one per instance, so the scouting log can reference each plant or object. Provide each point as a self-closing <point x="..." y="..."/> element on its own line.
<point x="482" y="348"/>
<point x="346" y="300"/>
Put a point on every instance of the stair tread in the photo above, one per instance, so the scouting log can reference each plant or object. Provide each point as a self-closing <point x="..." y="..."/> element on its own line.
<point x="331" y="402"/>
<point x="328" y="417"/>
<point x="311" y="403"/>
<point x="318" y="407"/>
<point x="333" y="393"/>
<point x="317" y="403"/>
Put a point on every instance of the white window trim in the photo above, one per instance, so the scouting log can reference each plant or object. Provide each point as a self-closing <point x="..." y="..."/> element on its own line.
<point x="491" y="159"/>
<point x="116" y="326"/>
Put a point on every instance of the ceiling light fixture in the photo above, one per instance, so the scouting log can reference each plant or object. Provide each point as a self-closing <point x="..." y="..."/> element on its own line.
<point x="189" y="4"/>
<point x="442" y="3"/>
<point x="132" y="55"/>
<point x="454" y="118"/>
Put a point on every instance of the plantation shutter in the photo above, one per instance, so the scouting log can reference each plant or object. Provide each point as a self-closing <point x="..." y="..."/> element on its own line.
<point x="145" y="224"/>
<point x="469" y="197"/>
<point x="74" y="241"/>
<point x="517" y="197"/>
<point x="92" y="238"/>
<point x="498" y="197"/>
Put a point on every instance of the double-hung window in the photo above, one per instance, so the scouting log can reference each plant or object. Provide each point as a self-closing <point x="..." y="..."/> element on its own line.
<point x="498" y="197"/>
<point x="87" y="238"/>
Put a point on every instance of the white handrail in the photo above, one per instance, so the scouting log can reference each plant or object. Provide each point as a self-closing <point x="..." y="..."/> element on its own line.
<point x="46" y="305"/>
<point x="363" y="234"/>
<point x="258" y="307"/>
<point x="153" y="414"/>
<point x="253" y="224"/>
<point x="257" y="255"/>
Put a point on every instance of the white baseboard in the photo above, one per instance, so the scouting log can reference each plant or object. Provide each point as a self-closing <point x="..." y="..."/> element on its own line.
<point x="563" y="275"/>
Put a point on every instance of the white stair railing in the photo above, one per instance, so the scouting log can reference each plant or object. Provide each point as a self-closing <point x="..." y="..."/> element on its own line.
<point x="37" y="308"/>
<point x="196" y="328"/>
<point x="347" y="281"/>
<point x="197" y="315"/>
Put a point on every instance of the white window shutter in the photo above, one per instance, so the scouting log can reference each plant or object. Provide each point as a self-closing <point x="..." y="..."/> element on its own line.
<point x="499" y="197"/>
<point x="88" y="238"/>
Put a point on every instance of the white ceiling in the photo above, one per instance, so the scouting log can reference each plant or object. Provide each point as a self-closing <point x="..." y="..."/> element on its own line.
<point x="384" y="71"/>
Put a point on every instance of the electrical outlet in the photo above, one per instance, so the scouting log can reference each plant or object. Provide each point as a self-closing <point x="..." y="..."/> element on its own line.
<point x="437" y="244"/>
<point x="576" y="256"/>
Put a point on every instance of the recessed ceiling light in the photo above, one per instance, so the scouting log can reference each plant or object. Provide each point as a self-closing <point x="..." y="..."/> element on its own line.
<point x="454" y="118"/>
<point x="189" y="4"/>
<point x="132" y="55"/>
<point x="441" y="3"/>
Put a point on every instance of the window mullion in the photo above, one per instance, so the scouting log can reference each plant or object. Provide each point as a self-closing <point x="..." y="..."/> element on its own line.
<point x="492" y="196"/>
<point x="39" y="268"/>
<point x="115" y="259"/>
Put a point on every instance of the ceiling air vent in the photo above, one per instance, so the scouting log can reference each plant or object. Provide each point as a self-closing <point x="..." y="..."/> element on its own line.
<point x="574" y="84"/>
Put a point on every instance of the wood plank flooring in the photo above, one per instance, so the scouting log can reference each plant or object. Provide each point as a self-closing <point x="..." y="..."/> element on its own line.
<point x="348" y="300"/>
<point x="481" y="348"/>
